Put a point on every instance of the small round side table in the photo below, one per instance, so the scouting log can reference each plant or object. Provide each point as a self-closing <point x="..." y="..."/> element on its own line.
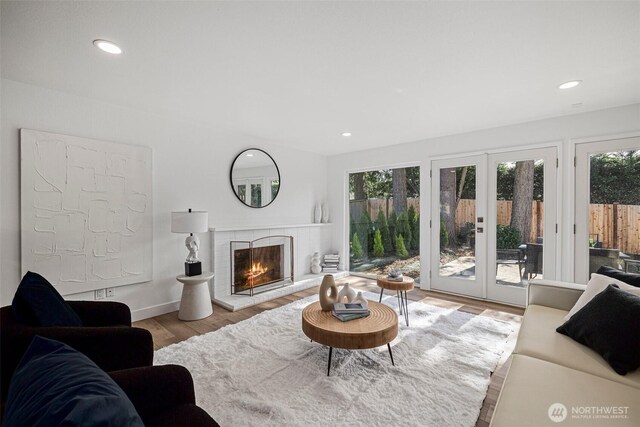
<point x="401" y="288"/>
<point x="196" y="299"/>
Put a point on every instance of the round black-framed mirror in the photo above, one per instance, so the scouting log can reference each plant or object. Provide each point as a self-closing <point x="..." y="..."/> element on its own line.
<point x="255" y="178"/>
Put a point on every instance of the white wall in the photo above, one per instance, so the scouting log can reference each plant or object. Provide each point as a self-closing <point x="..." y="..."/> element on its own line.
<point x="190" y="170"/>
<point x="560" y="131"/>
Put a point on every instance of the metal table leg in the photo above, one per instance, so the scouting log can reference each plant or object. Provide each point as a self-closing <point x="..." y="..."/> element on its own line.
<point x="381" y="291"/>
<point x="329" y="364"/>
<point x="390" y="354"/>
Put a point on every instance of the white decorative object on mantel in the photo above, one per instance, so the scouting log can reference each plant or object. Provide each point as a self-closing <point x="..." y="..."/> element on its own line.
<point x="317" y="214"/>
<point x="346" y="293"/>
<point x="325" y="213"/>
<point x="315" y="263"/>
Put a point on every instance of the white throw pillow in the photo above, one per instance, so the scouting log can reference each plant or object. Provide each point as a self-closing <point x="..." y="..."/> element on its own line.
<point x="597" y="284"/>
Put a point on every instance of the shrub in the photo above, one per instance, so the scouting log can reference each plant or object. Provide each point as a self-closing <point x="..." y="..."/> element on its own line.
<point x="365" y="231"/>
<point x="415" y="231"/>
<point x="444" y="236"/>
<point x="404" y="228"/>
<point x="507" y="237"/>
<point x="381" y="224"/>
<point x="378" y="248"/>
<point x="401" y="249"/>
<point x="356" y="247"/>
<point x="393" y="228"/>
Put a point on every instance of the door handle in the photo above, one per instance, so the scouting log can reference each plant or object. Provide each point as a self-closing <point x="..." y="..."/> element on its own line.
<point x="479" y="230"/>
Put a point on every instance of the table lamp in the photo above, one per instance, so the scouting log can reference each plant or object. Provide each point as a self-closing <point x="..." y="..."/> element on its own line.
<point x="191" y="222"/>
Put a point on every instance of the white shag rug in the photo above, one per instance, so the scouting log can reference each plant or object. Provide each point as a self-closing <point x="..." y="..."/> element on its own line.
<point x="264" y="370"/>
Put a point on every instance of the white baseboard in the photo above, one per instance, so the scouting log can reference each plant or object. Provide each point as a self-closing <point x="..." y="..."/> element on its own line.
<point x="154" y="310"/>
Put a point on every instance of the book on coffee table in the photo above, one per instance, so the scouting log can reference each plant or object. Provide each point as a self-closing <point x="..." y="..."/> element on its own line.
<point x="347" y="317"/>
<point x="349" y="308"/>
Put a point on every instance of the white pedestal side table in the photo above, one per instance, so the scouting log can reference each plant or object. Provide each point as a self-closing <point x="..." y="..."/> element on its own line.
<point x="196" y="300"/>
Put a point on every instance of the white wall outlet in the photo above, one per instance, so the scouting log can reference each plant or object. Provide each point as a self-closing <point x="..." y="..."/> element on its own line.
<point x="110" y="292"/>
<point x="99" y="293"/>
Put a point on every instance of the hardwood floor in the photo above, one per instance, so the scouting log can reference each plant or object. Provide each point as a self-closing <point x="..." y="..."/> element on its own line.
<point x="168" y="329"/>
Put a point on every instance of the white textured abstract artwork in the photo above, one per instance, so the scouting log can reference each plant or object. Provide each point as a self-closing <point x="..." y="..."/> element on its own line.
<point x="86" y="211"/>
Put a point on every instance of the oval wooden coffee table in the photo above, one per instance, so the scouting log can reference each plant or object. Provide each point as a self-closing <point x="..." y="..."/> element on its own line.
<point x="379" y="328"/>
<point x="401" y="288"/>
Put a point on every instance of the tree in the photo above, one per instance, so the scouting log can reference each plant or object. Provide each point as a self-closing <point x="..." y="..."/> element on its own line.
<point x="404" y="229"/>
<point x="383" y="227"/>
<point x="356" y="247"/>
<point x="414" y="227"/>
<point x="378" y="249"/>
<point x="358" y="186"/>
<point x="393" y="228"/>
<point x="448" y="203"/>
<point x="399" y="190"/>
<point x="521" y="208"/>
<point x="401" y="249"/>
<point x="365" y="232"/>
<point x="615" y="177"/>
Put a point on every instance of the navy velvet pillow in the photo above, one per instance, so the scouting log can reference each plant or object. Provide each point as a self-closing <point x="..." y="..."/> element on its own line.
<point x="56" y="385"/>
<point x="610" y="325"/>
<point x="37" y="303"/>
<point x="628" y="278"/>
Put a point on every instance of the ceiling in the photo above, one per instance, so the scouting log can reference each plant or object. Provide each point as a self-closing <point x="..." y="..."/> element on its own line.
<point x="301" y="73"/>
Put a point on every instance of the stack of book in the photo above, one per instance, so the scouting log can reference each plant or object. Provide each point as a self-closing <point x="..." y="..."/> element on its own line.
<point x="330" y="264"/>
<point x="349" y="311"/>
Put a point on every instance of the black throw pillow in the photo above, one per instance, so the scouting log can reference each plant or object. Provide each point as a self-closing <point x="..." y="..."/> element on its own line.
<point x="37" y="303"/>
<point x="610" y="325"/>
<point x="628" y="278"/>
<point x="55" y="385"/>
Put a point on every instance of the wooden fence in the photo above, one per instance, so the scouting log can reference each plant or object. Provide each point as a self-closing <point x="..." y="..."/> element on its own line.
<point x="615" y="226"/>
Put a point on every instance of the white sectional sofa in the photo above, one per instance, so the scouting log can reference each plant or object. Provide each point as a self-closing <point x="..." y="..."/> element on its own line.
<point x="555" y="381"/>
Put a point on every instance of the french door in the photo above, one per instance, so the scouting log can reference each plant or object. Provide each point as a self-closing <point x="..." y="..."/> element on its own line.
<point x="607" y="209"/>
<point x="494" y="223"/>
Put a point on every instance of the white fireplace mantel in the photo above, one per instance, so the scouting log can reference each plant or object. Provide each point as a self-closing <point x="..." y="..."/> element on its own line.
<point x="307" y="239"/>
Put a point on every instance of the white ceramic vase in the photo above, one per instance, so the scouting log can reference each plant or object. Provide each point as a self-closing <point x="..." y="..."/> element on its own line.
<point x="327" y="300"/>
<point x="315" y="263"/>
<point x="346" y="294"/>
<point x="317" y="214"/>
<point x="361" y="299"/>
<point x="325" y="213"/>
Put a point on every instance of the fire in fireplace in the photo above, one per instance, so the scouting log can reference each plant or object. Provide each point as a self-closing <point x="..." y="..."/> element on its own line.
<point x="255" y="265"/>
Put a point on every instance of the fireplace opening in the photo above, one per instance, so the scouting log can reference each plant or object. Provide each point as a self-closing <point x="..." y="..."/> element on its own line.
<point x="260" y="265"/>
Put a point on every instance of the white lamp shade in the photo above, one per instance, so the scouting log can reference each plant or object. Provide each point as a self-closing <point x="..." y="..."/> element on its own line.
<point x="189" y="222"/>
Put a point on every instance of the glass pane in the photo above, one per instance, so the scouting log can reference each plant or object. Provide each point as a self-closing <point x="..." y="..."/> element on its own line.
<point x="384" y="232"/>
<point x="457" y="222"/>
<point x="256" y="194"/>
<point x="614" y="211"/>
<point x="242" y="192"/>
<point x="520" y="222"/>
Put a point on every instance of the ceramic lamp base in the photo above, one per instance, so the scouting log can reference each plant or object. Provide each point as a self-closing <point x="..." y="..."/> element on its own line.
<point x="192" y="268"/>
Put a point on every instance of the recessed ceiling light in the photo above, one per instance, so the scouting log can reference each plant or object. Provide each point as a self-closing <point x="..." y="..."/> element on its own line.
<point x="249" y="154"/>
<point x="569" y="84"/>
<point x="107" y="46"/>
<point x="346" y="133"/>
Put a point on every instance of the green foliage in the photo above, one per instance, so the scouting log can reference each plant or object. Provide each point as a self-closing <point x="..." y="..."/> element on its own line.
<point x="404" y="228"/>
<point x="506" y="180"/>
<point x="414" y="225"/>
<point x="415" y="231"/>
<point x="383" y="226"/>
<point x="378" y="249"/>
<point x="393" y="228"/>
<point x="615" y="177"/>
<point x="507" y="237"/>
<point x="352" y="226"/>
<point x="378" y="184"/>
<point x="444" y="236"/>
<point x="356" y="247"/>
<point x="401" y="250"/>
<point x="365" y="231"/>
